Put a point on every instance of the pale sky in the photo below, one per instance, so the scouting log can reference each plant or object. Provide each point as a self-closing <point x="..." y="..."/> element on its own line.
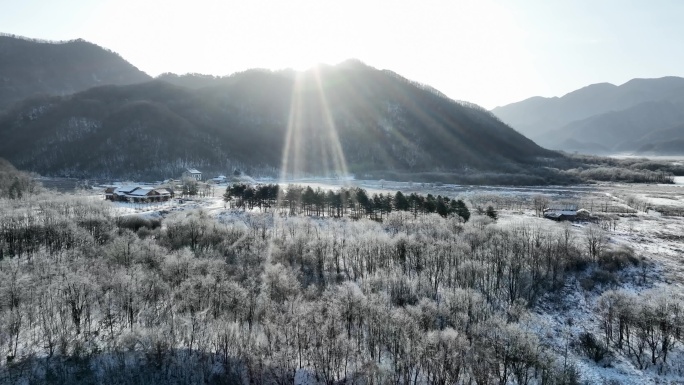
<point x="489" y="52"/>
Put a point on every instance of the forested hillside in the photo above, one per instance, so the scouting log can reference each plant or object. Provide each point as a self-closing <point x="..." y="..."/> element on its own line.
<point x="350" y="118"/>
<point x="15" y="184"/>
<point x="30" y="67"/>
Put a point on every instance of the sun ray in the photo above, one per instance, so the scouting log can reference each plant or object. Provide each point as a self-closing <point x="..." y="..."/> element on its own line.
<point x="289" y="136"/>
<point x="338" y="158"/>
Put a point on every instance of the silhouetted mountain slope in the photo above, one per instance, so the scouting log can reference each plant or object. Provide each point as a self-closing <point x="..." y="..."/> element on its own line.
<point x="30" y="67"/>
<point x="321" y="122"/>
<point x="617" y="130"/>
<point x="600" y="115"/>
<point x="666" y="147"/>
<point x="676" y="132"/>
<point x="666" y="142"/>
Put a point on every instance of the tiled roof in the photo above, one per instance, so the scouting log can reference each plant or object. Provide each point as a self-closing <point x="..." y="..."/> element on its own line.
<point x="137" y="191"/>
<point x="141" y="191"/>
<point x="126" y="189"/>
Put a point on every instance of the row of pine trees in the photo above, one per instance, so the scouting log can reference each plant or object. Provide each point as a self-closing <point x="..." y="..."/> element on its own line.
<point x="354" y="202"/>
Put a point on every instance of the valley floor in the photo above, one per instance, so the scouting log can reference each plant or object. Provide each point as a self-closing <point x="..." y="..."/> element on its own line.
<point x="647" y="219"/>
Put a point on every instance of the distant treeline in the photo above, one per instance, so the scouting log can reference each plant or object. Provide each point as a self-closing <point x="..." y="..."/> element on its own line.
<point x="42" y="41"/>
<point x="619" y="174"/>
<point x="631" y="170"/>
<point x="354" y="202"/>
<point x="57" y="42"/>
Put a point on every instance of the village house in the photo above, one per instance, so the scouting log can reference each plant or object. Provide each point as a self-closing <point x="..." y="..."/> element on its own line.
<point x="194" y="173"/>
<point x="138" y="194"/>
<point x="566" y="212"/>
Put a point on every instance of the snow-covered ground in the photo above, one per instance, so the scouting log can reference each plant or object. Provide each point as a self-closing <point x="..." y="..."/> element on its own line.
<point x="561" y="317"/>
<point x="657" y="238"/>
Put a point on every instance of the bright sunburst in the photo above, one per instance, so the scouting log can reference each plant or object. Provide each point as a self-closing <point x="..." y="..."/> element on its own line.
<point x="298" y="152"/>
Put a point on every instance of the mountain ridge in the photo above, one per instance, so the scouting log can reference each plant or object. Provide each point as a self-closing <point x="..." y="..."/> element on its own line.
<point x="600" y="115"/>
<point x="32" y="67"/>
<point x="379" y="120"/>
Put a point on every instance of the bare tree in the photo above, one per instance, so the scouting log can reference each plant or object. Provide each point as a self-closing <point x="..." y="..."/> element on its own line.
<point x="540" y="203"/>
<point x="596" y="240"/>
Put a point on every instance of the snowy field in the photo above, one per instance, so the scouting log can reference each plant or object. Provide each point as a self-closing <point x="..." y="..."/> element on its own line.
<point x="659" y="241"/>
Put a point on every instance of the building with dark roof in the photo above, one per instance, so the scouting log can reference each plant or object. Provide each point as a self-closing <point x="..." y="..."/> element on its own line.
<point x="138" y="194"/>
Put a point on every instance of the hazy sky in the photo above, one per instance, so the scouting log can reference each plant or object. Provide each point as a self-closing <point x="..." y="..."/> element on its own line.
<point x="490" y="52"/>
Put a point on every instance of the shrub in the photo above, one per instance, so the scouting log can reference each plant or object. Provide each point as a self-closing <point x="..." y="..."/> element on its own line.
<point x="602" y="277"/>
<point x="598" y="278"/>
<point x="136" y="222"/>
<point x="565" y="375"/>
<point x="592" y="347"/>
<point x="614" y="260"/>
<point x="491" y="213"/>
<point x="576" y="261"/>
<point x="587" y="284"/>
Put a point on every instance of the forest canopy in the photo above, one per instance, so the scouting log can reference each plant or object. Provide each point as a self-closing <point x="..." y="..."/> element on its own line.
<point x="354" y="202"/>
<point x="255" y="297"/>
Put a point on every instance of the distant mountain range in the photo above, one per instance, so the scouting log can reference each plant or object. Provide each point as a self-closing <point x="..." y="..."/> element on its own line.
<point x="642" y="116"/>
<point x="326" y="121"/>
<point x="30" y="67"/>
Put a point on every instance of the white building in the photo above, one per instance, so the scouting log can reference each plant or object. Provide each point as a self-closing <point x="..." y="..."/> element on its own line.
<point x="194" y="173"/>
